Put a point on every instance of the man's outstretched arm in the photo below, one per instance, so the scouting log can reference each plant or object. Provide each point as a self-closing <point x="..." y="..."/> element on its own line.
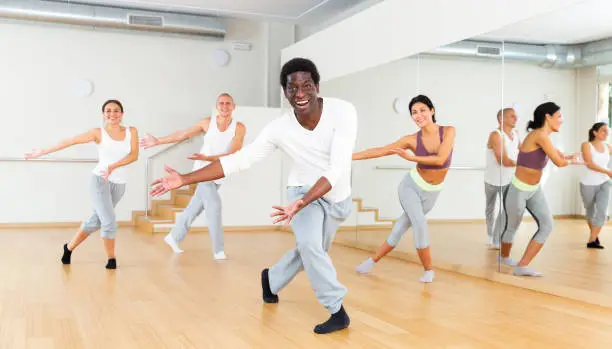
<point x="239" y="161"/>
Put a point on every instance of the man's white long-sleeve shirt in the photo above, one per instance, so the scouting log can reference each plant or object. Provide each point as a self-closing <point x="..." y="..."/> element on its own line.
<point x="325" y="151"/>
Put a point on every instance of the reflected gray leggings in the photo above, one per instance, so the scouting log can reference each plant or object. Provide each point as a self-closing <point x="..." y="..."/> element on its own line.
<point x="595" y="199"/>
<point x="494" y="226"/>
<point x="516" y="200"/>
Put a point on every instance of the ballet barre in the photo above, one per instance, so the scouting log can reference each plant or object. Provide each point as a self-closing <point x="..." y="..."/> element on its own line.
<point x="399" y="167"/>
<point x="84" y="160"/>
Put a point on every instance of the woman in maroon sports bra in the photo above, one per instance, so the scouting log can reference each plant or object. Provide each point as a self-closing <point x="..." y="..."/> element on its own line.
<point x="525" y="193"/>
<point x="419" y="189"/>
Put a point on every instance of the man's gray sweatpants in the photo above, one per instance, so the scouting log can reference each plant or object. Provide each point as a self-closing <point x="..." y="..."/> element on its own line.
<point x="206" y="198"/>
<point x="495" y="226"/>
<point x="314" y="228"/>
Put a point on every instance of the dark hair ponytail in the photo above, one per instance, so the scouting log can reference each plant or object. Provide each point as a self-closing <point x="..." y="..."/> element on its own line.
<point x="596" y="126"/>
<point x="532" y="125"/>
<point x="425" y="100"/>
<point x="539" y="115"/>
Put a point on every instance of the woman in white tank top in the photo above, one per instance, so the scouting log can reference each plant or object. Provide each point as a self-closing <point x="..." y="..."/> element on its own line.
<point x="595" y="182"/>
<point x="117" y="147"/>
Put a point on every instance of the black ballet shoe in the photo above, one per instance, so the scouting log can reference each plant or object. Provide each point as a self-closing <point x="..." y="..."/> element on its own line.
<point x="112" y="263"/>
<point x="338" y="321"/>
<point x="67" y="254"/>
<point x="267" y="294"/>
<point x="594" y="244"/>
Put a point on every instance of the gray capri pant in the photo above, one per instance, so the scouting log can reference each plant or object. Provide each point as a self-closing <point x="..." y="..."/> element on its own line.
<point x="105" y="197"/>
<point x="417" y="198"/>
<point x="595" y="199"/>
<point x="520" y="196"/>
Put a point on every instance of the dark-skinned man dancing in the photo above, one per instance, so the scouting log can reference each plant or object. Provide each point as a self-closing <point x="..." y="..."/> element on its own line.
<point x="319" y="136"/>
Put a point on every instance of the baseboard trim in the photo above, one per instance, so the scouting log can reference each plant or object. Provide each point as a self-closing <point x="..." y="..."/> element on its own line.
<point x="54" y="225"/>
<point x="375" y="227"/>
<point x="369" y="228"/>
<point x="231" y="229"/>
<point x="262" y="228"/>
<point x="483" y="221"/>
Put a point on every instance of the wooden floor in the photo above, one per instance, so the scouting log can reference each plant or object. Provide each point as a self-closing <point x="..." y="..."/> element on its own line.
<point x="159" y="300"/>
<point x="570" y="269"/>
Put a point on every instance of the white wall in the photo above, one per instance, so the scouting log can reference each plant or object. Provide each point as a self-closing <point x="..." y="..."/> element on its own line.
<point x="395" y="29"/>
<point x="305" y="30"/>
<point x="280" y="35"/>
<point x="168" y="83"/>
<point x="165" y="82"/>
<point x="467" y="94"/>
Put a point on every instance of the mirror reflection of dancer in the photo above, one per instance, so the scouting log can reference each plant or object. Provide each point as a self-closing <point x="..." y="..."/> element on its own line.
<point x="420" y="188"/>
<point x="117" y="148"/>
<point x="595" y="183"/>
<point x="222" y="136"/>
<point x="319" y="135"/>
<point x="525" y="191"/>
<point x="502" y="151"/>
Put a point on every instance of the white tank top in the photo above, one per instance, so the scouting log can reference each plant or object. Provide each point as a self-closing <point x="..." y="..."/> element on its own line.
<point x="498" y="175"/>
<point x="216" y="142"/>
<point x="591" y="177"/>
<point x="110" y="151"/>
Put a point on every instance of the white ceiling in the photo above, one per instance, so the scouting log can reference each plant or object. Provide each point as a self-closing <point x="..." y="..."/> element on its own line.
<point x="587" y="21"/>
<point x="297" y="11"/>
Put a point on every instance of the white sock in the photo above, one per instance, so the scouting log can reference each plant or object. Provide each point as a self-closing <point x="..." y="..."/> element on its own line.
<point x="220" y="256"/>
<point x="508" y="261"/>
<point x="525" y="271"/>
<point x="490" y="240"/>
<point x="366" y="266"/>
<point x="172" y="243"/>
<point x="428" y="276"/>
